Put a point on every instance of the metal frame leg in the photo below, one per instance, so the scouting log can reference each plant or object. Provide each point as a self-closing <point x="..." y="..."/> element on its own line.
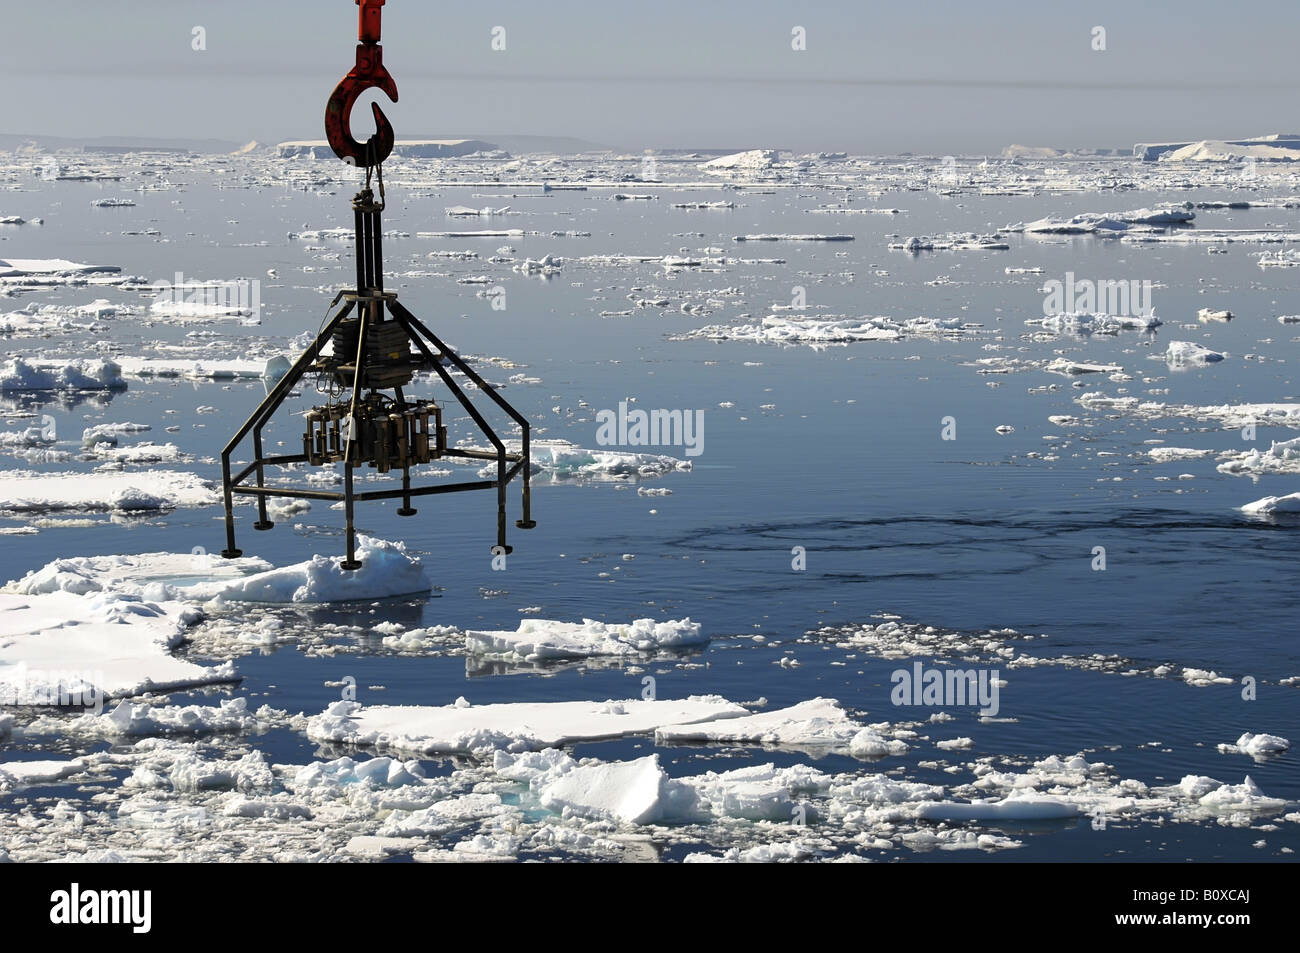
<point x="351" y="562"/>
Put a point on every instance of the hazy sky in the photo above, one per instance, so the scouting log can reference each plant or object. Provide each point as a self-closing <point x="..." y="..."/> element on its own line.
<point x="968" y="76"/>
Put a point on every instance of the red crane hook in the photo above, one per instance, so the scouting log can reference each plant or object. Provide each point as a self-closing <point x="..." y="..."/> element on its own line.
<point x="369" y="73"/>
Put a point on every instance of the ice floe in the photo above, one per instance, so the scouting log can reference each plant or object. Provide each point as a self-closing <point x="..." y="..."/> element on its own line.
<point x="59" y="645"/>
<point x="19" y="375"/>
<point x="1189" y="352"/>
<point x="518" y="726"/>
<point x="1282" y="456"/>
<point x="954" y="242"/>
<point x="561" y="460"/>
<point x="132" y="720"/>
<point x="1027" y="806"/>
<point x="386" y="570"/>
<point x="750" y="162"/>
<point x="30" y="491"/>
<point x="1092" y="223"/>
<point x="819" y="723"/>
<point x="1274" y="504"/>
<point x="1083" y="323"/>
<point x="777" y="329"/>
<point x="1258" y="746"/>
<point x="49" y="270"/>
<point x="541" y="639"/>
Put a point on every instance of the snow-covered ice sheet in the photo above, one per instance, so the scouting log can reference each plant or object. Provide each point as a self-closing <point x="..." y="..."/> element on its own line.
<point x="21" y="774"/>
<point x="200" y="369"/>
<point x="59" y="644"/>
<point x="16" y="269"/>
<point x="158" y="576"/>
<point x="819" y="724"/>
<point x="386" y="570"/>
<point x="30" y="491"/>
<point x="520" y="726"/>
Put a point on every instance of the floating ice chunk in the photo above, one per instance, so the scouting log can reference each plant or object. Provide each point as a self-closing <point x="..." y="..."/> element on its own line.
<point x="1216" y="798"/>
<point x="546" y="265"/>
<point x="22" y="440"/>
<point x="792" y="238"/>
<point x="192" y="369"/>
<point x="19" y="375"/>
<point x="464" y="211"/>
<point x="753" y="160"/>
<point x="819" y="723"/>
<point x="22" y="774"/>
<point x="444" y="816"/>
<point x="1189" y="352"/>
<point x="59" y="268"/>
<point x="1177" y="454"/>
<point x="636" y="792"/>
<point x="1274" y="504"/>
<point x="276" y="808"/>
<point x="517" y="726"/>
<point x="341" y="773"/>
<point x="1257" y="746"/>
<point x="1022" y="806"/>
<point x="560" y="459"/>
<point x="338" y="234"/>
<point x="200" y="310"/>
<point x="191" y="773"/>
<point x="157" y="576"/>
<point x="779" y="853"/>
<point x="1201" y="678"/>
<point x="132" y="720"/>
<point x="483" y="233"/>
<point x="28" y="491"/>
<point x="1210" y="314"/>
<point x="1281" y="457"/>
<point x="777" y="329"/>
<point x="1084" y="323"/>
<point x="761" y="792"/>
<point x="1091" y="223"/>
<point x="957" y="241"/>
<point x="59" y="645"/>
<point x="1219" y="150"/>
<point x="956" y="838"/>
<point x="1072" y="368"/>
<point x="109" y="433"/>
<point x="868" y="743"/>
<point x="386" y="570"/>
<point x="539" y="639"/>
